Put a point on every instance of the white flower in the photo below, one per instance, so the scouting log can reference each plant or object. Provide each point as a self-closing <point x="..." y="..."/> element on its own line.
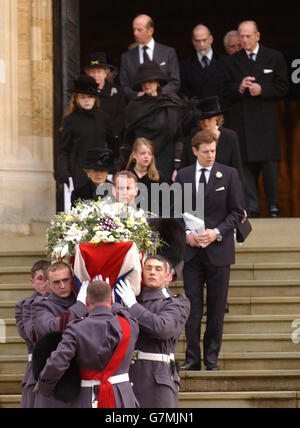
<point x="219" y="174"/>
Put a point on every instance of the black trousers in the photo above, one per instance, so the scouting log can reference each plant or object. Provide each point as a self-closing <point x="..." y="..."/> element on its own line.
<point x="269" y="171"/>
<point x="196" y="273"/>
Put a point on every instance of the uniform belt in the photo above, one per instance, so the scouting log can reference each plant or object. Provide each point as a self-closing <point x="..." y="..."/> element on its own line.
<point x="29" y="358"/>
<point x="113" y="380"/>
<point x="163" y="358"/>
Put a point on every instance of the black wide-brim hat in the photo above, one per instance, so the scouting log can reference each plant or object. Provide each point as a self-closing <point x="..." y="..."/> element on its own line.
<point x="98" y="60"/>
<point x="147" y="72"/>
<point x="85" y="85"/>
<point x="99" y="159"/>
<point x="208" y="107"/>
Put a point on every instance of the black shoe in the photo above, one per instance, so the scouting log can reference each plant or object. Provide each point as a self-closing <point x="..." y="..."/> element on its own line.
<point x="190" y="367"/>
<point x="212" y="367"/>
<point x="274" y="211"/>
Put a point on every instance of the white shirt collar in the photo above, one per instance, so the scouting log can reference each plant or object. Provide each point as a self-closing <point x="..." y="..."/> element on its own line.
<point x="150" y="50"/>
<point x="199" y="167"/>
<point x="255" y="51"/>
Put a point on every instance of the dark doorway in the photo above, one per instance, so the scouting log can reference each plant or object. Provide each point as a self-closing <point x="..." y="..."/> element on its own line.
<point x="106" y="26"/>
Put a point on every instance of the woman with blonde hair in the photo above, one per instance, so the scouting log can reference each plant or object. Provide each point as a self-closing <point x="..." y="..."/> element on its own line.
<point x="142" y="164"/>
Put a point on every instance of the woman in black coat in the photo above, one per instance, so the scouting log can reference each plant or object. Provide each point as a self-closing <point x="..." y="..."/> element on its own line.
<point x="209" y="116"/>
<point x="156" y="117"/>
<point x="97" y="166"/>
<point x="85" y="127"/>
<point x="112" y="99"/>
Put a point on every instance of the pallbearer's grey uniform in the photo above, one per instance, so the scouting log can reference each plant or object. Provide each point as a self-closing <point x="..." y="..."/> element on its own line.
<point x="93" y="341"/>
<point x="52" y="314"/>
<point x="25" y="330"/>
<point x="161" y="318"/>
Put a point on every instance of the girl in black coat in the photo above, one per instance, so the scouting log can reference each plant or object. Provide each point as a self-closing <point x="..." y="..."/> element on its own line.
<point x="85" y="127"/>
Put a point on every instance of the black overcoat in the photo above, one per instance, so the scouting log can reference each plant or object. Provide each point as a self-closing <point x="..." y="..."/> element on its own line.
<point x="256" y="119"/>
<point x="82" y="130"/>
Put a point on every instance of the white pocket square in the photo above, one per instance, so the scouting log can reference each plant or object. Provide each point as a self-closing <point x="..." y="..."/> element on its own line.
<point x="220" y="188"/>
<point x="268" y="70"/>
<point x="163" y="63"/>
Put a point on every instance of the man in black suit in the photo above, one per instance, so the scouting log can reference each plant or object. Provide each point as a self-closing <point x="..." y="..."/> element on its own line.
<point x="201" y="74"/>
<point x="255" y="79"/>
<point x="148" y="49"/>
<point x="208" y="256"/>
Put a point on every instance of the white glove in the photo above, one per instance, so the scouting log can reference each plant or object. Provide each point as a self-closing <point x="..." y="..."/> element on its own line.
<point x="125" y="291"/>
<point x="99" y="278"/>
<point x="81" y="297"/>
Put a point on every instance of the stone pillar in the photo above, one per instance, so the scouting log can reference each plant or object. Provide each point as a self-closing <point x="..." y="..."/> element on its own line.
<point x="27" y="190"/>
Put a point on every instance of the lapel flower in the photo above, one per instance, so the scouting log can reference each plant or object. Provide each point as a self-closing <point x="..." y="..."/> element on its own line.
<point x="219" y="174"/>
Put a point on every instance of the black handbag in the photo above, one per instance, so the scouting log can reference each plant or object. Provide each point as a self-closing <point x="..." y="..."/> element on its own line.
<point x="242" y="231"/>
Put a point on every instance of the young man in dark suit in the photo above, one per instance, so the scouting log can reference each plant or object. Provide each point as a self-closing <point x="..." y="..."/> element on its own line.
<point x="208" y="256"/>
<point x="148" y="50"/>
<point x="256" y="78"/>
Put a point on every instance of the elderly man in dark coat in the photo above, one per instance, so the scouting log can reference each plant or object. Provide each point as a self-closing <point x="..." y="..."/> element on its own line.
<point x="52" y="313"/>
<point x="161" y="318"/>
<point x="102" y="344"/>
<point x="255" y="79"/>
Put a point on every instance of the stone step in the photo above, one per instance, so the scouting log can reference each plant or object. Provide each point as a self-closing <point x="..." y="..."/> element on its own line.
<point x="10" y="383"/>
<point x="255" y="360"/>
<point x="14" y="275"/>
<point x="258" y="271"/>
<point x="238" y="306"/>
<point x="21" y="258"/>
<point x="254" y="288"/>
<point x="193" y="400"/>
<point x="251" y="400"/>
<point x="233" y="324"/>
<point x="239" y="343"/>
<point x="10" y="401"/>
<point x="240" y="380"/>
<point x="245" y="254"/>
<point x="15" y="291"/>
<point x="13" y="363"/>
<point x="13" y="346"/>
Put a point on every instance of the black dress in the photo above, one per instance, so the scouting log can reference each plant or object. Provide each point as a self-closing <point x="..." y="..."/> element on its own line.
<point x="159" y="120"/>
<point x="82" y="130"/>
<point x="88" y="192"/>
<point x="112" y="102"/>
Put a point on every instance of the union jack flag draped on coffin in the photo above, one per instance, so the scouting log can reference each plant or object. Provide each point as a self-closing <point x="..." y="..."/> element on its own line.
<point x="114" y="261"/>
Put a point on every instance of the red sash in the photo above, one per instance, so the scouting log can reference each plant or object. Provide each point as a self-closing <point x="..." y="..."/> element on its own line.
<point x="106" y="396"/>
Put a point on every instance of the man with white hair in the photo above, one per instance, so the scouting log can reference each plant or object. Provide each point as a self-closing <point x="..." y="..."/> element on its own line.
<point x="201" y="74"/>
<point x="232" y="43"/>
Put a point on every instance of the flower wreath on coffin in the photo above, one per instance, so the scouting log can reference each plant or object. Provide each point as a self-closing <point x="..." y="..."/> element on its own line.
<point x="103" y="238"/>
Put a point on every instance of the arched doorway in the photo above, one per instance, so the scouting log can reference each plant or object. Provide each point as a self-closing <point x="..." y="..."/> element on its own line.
<point x="82" y="27"/>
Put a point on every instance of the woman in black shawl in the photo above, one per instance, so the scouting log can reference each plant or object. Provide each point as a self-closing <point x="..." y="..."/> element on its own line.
<point x="156" y="117"/>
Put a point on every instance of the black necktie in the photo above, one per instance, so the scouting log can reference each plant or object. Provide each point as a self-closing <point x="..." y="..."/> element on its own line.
<point x="203" y="178"/>
<point x="205" y="61"/>
<point x="251" y="56"/>
<point x="146" y="56"/>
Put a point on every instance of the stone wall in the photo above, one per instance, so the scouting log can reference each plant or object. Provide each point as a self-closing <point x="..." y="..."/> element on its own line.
<point x="27" y="190"/>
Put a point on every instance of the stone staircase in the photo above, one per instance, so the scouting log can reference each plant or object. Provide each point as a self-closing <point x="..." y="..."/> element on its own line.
<point x="260" y="364"/>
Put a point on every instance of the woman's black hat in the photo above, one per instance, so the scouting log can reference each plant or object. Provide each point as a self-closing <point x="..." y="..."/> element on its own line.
<point x="147" y="72"/>
<point x="98" y="60"/>
<point x="208" y="107"/>
<point x="85" y="85"/>
<point x="99" y="159"/>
